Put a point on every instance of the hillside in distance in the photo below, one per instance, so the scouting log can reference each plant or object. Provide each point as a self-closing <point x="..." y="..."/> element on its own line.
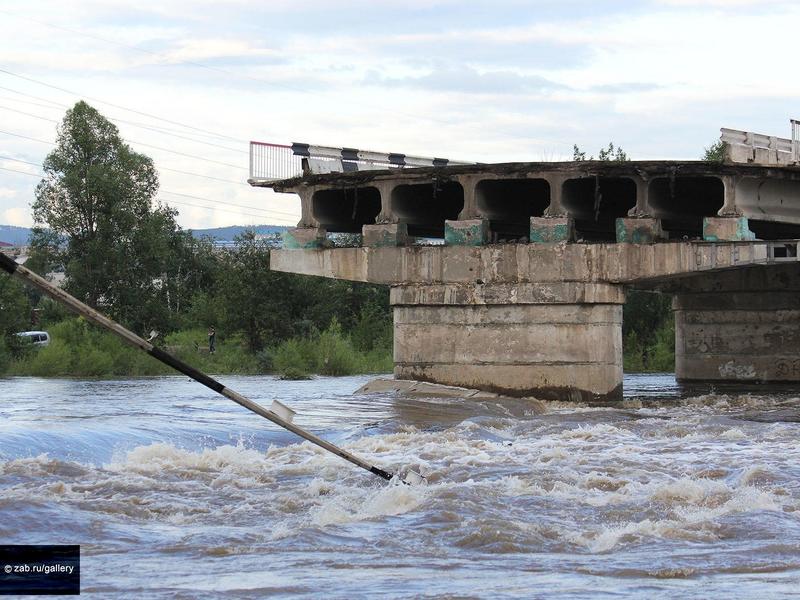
<point x="18" y="236"/>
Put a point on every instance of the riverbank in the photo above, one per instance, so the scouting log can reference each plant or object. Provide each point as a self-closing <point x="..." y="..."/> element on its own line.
<point x="78" y="349"/>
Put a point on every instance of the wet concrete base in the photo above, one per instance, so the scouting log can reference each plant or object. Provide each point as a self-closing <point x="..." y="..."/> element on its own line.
<point x="417" y="388"/>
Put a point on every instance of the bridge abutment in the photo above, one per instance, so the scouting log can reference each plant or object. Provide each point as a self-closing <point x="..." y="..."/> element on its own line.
<point x="560" y="341"/>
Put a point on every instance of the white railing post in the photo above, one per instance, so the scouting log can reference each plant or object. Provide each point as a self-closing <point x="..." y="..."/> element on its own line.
<point x="273" y="162"/>
<point x="795" y="140"/>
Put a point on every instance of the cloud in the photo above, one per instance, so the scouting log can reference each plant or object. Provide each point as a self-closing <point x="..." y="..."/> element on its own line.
<point x="469" y="81"/>
<point x="216" y="49"/>
<point x="625" y="87"/>
<point x="16" y="216"/>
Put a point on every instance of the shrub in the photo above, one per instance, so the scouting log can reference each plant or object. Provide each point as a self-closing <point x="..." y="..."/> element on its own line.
<point x="335" y="353"/>
<point x="290" y="361"/>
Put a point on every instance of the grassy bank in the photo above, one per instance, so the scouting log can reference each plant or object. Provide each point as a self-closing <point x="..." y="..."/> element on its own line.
<point x="78" y="349"/>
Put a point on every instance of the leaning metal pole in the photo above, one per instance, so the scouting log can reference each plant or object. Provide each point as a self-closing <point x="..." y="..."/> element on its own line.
<point x="59" y="295"/>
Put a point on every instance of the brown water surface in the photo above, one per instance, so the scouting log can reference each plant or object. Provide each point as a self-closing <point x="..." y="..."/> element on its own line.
<point x="174" y="492"/>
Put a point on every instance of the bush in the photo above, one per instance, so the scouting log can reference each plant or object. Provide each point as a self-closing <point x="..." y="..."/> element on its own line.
<point x="373" y="329"/>
<point x="328" y="353"/>
<point x="290" y="360"/>
<point x="5" y="356"/>
<point x="80" y="349"/>
<point x="335" y="353"/>
<point x="653" y="354"/>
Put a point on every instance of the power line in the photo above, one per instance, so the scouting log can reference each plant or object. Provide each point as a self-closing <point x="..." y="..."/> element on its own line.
<point x="204" y="176"/>
<point x="427" y="118"/>
<point x="27" y="162"/>
<point x="52" y="105"/>
<point x="209" y="67"/>
<point x="138" y="112"/>
<point x="25" y="137"/>
<point x="211" y="208"/>
<point x="278" y="212"/>
<point x="219" y="162"/>
<point x="149" y="52"/>
<point x="265" y="210"/>
<point x="159" y="168"/>
<point x="13" y="91"/>
<point x="22" y="172"/>
<point x="224" y="71"/>
<point x="22" y="112"/>
<point x="156" y="129"/>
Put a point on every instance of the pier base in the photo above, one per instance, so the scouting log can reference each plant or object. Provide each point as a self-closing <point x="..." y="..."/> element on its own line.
<point x="560" y="341"/>
<point x="738" y="336"/>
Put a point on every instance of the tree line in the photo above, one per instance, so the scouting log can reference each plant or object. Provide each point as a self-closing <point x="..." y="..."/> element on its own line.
<point x="98" y="221"/>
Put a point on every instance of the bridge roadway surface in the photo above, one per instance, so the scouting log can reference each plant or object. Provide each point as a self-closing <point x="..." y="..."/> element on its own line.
<point x="522" y="292"/>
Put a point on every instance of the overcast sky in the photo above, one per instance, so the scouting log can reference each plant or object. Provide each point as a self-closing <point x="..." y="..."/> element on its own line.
<point x="499" y="80"/>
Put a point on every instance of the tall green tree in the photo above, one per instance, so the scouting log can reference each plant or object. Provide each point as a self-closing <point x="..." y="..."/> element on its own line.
<point x="15" y="314"/>
<point x="96" y="218"/>
<point x="258" y="302"/>
<point x="715" y="152"/>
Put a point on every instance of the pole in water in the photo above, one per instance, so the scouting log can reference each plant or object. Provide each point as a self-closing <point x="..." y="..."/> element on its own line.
<point x="280" y="414"/>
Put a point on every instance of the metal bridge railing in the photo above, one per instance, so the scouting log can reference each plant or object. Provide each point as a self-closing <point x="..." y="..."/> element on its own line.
<point x="795" y="140"/>
<point x="273" y="162"/>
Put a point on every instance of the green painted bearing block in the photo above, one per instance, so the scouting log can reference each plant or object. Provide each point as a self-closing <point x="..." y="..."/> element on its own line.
<point x="304" y="238"/>
<point x="548" y="230"/>
<point x="727" y="229"/>
<point x="470" y="232"/>
<point x="639" y="231"/>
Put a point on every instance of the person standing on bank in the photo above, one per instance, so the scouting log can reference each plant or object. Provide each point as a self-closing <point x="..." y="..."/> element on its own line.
<point x="212" y="339"/>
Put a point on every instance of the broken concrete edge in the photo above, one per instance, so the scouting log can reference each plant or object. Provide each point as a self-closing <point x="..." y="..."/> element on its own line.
<point x="727" y="229"/>
<point x="469" y="232"/>
<point x="305" y="238"/>
<point x="547" y="399"/>
<point x="649" y="169"/>
<point x="548" y="230"/>
<point x="639" y="230"/>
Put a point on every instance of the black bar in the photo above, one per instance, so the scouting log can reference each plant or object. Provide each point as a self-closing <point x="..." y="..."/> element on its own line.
<point x="440" y="162"/>
<point x="381" y="473"/>
<point x="300" y="149"/>
<point x="41" y="570"/>
<point x="7" y="263"/>
<point x="397" y="159"/>
<point x="181" y="366"/>
<point x="349" y="154"/>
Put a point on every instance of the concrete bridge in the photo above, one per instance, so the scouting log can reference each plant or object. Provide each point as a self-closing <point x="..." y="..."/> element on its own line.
<point x="511" y="277"/>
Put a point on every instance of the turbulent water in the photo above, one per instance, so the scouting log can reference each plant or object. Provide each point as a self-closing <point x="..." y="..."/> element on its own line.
<point x="175" y="492"/>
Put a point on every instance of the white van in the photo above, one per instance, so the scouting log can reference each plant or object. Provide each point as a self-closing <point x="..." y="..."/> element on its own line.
<point x="37" y="338"/>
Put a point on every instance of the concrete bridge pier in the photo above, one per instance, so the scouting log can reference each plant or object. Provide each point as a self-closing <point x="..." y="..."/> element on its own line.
<point x="560" y="341"/>
<point x="738" y="336"/>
